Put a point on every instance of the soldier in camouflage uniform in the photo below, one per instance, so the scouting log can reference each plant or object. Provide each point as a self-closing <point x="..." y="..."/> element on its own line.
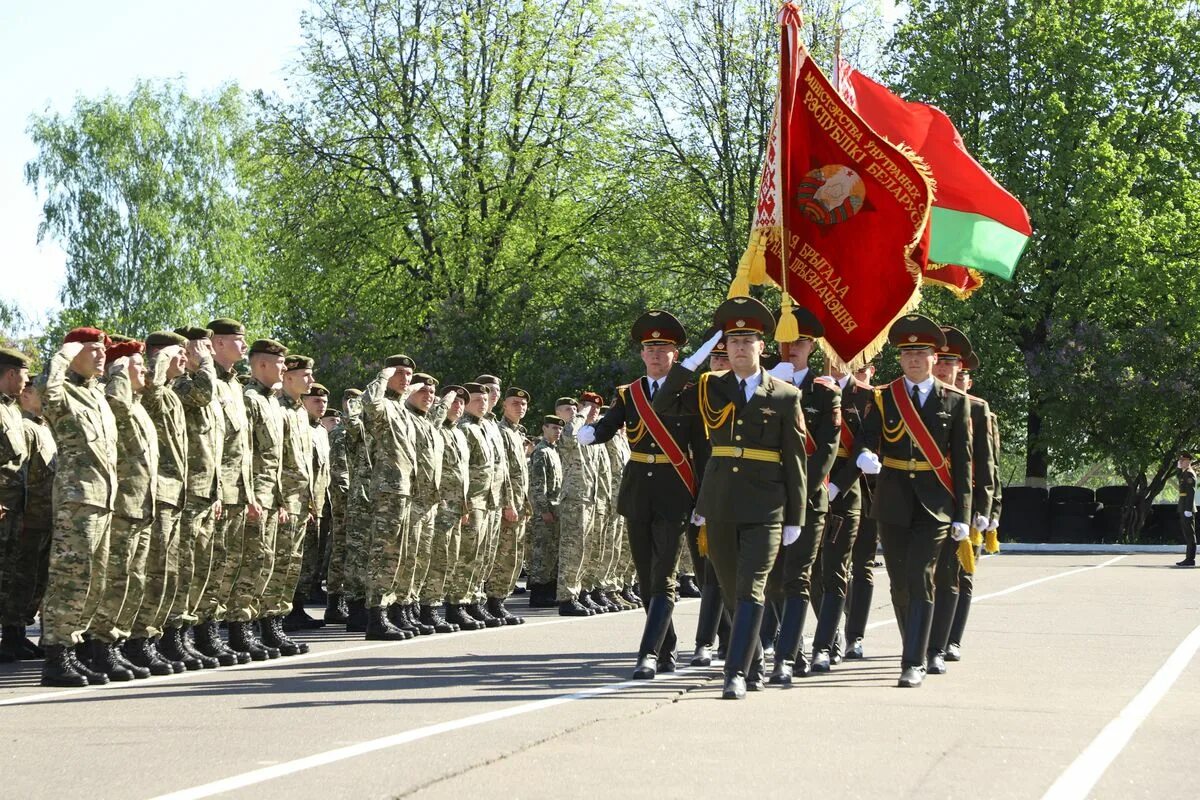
<point x="545" y="493"/>
<point x="132" y="522"/>
<point x="359" y="513"/>
<point x="482" y="493"/>
<point x="596" y="553"/>
<point x="237" y="494"/>
<point x="336" y="609"/>
<point x="516" y="511"/>
<point x="85" y="487"/>
<point x="166" y="361"/>
<point x="452" y="509"/>
<point x="202" y="495"/>
<point x="617" y="450"/>
<point x="500" y="494"/>
<point x="265" y="510"/>
<point x="315" y="402"/>
<point x="14" y="458"/>
<point x="297" y="484"/>
<point x="576" y="510"/>
<point x="393" y="464"/>
<point x="428" y="445"/>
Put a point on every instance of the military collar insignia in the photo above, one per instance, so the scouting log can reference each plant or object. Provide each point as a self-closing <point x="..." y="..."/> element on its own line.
<point x="944" y="414"/>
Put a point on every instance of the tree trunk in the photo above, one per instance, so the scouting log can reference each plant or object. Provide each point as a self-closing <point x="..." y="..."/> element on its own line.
<point x="1036" y="467"/>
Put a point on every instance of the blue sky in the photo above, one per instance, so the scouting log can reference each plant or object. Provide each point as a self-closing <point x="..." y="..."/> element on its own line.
<point x="52" y="51"/>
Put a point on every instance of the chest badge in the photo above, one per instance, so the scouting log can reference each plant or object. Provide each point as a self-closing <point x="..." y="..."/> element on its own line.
<point x="768" y="412"/>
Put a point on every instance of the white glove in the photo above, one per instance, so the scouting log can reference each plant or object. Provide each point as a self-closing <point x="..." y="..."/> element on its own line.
<point x="697" y="520"/>
<point x="959" y="531"/>
<point x="783" y="370"/>
<point x="1187" y="514"/>
<point x="869" y="463"/>
<point x="692" y="362"/>
<point x="994" y="525"/>
<point x="833" y="492"/>
<point x="790" y="534"/>
<point x="585" y="435"/>
<point x="980" y="522"/>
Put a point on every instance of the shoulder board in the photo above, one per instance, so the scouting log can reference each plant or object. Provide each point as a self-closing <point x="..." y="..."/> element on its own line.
<point x="827" y="383"/>
<point x="955" y="390"/>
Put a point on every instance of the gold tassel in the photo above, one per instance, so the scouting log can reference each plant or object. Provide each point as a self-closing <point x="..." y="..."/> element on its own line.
<point x="758" y="259"/>
<point x="702" y="541"/>
<point x="966" y="556"/>
<point x="787" y="330"/>
<point x="976" y="537"/>
<point x="992" y="543"/>
<point x="741" y="281"/>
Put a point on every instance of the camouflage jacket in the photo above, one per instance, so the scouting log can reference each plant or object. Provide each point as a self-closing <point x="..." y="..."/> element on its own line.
<point x="428" y="445"/>
<point x="237" y="456"/>
<point x="606" y="485"/>
<point x="14" y="452"/>
<point x="320" y="467"/>
<point x="482" y="490"/>
<point x="358" y="455"/>
<point x="517" y="495"/>
<point x="297" y="474"/>
<point x="166" y="409"/>
<point x="617" y="449"/>
<point x="205" y="429"/>
<point x="393" y="460"/>
<point x="545" y="478"/>
<point x="85" y="433"/>
<point x="137" y="451"/>
<point x="456" y="462"/>
<point x="267" y="433"/>
<point x="339" y="462"/>
<point x="39" y="476"/>
<point x="578" y="463"/>
<point x="501" y="482"/>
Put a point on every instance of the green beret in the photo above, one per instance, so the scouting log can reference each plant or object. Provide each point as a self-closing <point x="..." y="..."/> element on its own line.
<point x="269" y="347"/>
<point x="223" y="326"/>
<point x="425" y="378"/>
<point x="550" y="419"/>
<point x="515" y="392"/>
<point x="333" y="412"/>
<point x="12" y="358"/>
<point x="474" y="388"/>
<point x="349" y="393"/>
<point x="485" y="380"/>
<point x="317" y="390"/>
<point x="458" y="390"/>
<point x="118" y="338"/>
<point x="400" y="360"/>
<point x="297" y="362"/>
<point x="566" y="401"/>
<point x="161" y="339"/>
<point x="194" y="334"/>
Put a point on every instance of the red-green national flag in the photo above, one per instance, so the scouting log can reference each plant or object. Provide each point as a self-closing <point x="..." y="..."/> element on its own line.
<point x="975" y="222"/>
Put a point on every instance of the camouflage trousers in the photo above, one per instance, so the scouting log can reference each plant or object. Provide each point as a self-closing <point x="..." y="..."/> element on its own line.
<point x="316" y="538"/>
<point x="162" y="574"/>
<point x="289" y="556"/>
<point x="574" y="529"/>
<point x="488" y="547"/>
<point x="594" y="550"/>
<point x="542" y="549"/>
<point x="685" y="562"/>
<point x="335" y="575"/>
<point x="389" y="535"/>
<point x="468" y="571"/>
<point x="22" y="558"/>
<point x="196" y="526"/>
<point x="443" y="555"/>
<point x="422" y="523"/>
<point x="506" y="567"/>
<point x="226" y="557"/>
<point x="78" y="562"/>
<point x="616" y="544"/>
<point x="254" y="567"/>
<point x="359" y="521"/>
<point x="125" y="578"/>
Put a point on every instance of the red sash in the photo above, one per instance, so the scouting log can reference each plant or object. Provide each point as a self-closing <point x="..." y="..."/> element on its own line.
<point x="921" y="435"/>
<point x="662" y="437"/>
<point x="847" y="438"/>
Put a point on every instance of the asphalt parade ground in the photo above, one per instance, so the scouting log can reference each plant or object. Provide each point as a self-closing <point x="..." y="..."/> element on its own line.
<point x="1078" y="679"/>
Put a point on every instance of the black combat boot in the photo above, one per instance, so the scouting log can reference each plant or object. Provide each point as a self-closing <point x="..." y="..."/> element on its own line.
<point x="431" y="617"/>
<point x="242" y="640"/>
<point x="789" y="653"/>
<point x="480" y="613"/>
<point x="628" y="595"/>
<point x="380" y="629"/>
<point x="829" y="619"/>
<point x="688" y="587"/>
<point x="706" y="624"/>
<point x="298" y="619"/>
<point x="413" y="615"/>
<point x="189" y="646"/>
<point x="170" y="645"/>
<point x="945" y="605"/>
<point x="94" y="676"/>
<point x="573" y="608"/>
<point x="587" y="602"/>
<point x="398" y="619"/>
<point x="356" y="616"/>
<point x="600" y="599"/>
<point x="209" y="644"/>
<point x="255" y="628"/>
<point x="456" y="614"/>
<point x="273" y="636"/>
<point x="104" y="661"/>
<point x="743" y="647"/>
<point x="118" y="651"/>
<point x="58" y="669"/>
<point x="336" y="610"/>
<point x="139" y="653"/>
<point x="658" y="617"/>
<point x="495" y="607"/>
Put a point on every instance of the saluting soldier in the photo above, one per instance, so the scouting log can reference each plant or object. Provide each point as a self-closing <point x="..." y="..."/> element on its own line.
<point x="950" y="572"/>
<point x="545" y="492"/>
<point x="1187" y="508"/>
<point x="791" y="578"/>
<point x="754" y="489"/>
<point x="14" y="457"/>
<point x="918" y="439"/>
<point x="427" y="446"/>
<point x="668" y="453"/>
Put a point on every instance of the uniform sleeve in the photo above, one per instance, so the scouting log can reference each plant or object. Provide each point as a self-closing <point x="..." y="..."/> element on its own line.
<point x="825" y="435"/>
<point x="960" y="459"/>
<point x="267" y="492"/>
<point x="794" y="466"/>
<point x="119" y="394"/>
<point x="54" y="391"/>
<point x="982" y="466"/>
<point x="196" y="390"/>
<point x="677" y="395"/>
<point x="373" y="399"/>
<point x="538" y="481"/>
<point x="607" y="426"/>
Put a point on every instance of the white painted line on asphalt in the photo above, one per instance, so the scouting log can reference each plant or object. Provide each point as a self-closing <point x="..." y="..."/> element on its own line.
<point x="1085" y="771"/>
<point x="374" y="745"/>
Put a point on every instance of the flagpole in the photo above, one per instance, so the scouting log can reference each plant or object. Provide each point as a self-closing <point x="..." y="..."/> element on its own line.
<point x="787" y="330"/>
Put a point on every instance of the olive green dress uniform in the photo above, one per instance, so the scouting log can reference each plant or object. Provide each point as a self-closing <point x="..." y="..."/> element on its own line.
<point x="545" y="493"/>
<point x="1187" y="504"/>
<point x="85" y="489"/>
<point x="233" y="548"/>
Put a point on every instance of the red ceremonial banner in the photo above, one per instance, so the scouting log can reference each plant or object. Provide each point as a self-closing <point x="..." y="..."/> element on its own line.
<point x="844" y="208"/>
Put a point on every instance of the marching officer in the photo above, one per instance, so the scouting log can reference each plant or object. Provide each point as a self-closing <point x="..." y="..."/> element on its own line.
<point x="1187" y="508"/>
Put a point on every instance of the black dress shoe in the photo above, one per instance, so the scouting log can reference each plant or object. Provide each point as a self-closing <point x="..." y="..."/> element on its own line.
<point x="911" y="677"/>
<point x="936" y="664"/>
<point x="953" y="652"/>
<point x="666" y="662"/>
<point x="855" y="651"/>
<point x="781" y="675"/>
<point x="821" y="661"/>
<point x="702" y="657"/>
<point x="647" y="667"/>
<point x="1187" y="562"/>
<point x="688" y="587"/>
<point x="735" y="688"/>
